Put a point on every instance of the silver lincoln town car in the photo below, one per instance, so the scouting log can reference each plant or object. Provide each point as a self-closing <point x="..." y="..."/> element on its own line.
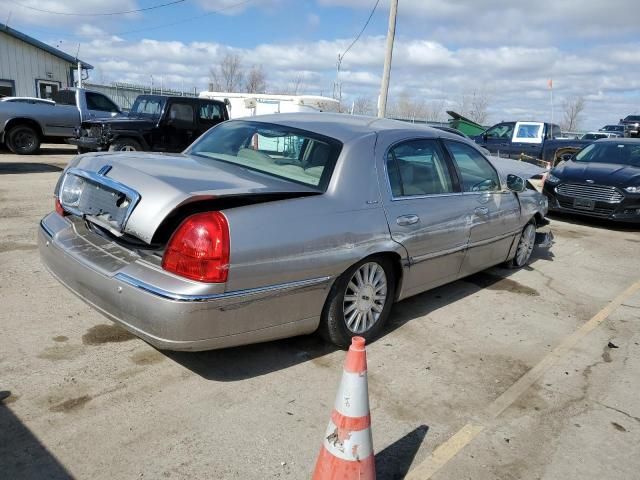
<point x="282" y="225"/>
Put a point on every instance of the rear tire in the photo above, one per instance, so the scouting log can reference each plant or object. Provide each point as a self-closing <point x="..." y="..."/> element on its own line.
<point x="125" y="145"/>
<point x="359" y="302"/>
<point x="526" y="243"/>
<point x="23" y="140"/>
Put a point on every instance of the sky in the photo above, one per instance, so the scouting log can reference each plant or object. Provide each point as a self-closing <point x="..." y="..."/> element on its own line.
<point x="504" y="50"/>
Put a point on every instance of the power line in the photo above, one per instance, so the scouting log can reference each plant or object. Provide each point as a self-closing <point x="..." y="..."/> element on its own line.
<point x="184" y="20"/>
<point x="373" y="10"/>
<point x="137" y="10"/>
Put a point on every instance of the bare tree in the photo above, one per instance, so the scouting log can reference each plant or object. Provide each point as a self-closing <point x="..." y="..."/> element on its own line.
<point x="363" y="106"/>
<point x="573" y="108"/>
<point x="435" y="111"/>
<point x="475" y="106"/>
<point x="297" y="85"/>
<point x="256" y="81"/>
<point x="227" y="75"/>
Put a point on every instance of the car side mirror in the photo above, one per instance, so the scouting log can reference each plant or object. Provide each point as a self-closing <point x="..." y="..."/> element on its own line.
<point x="515" y="183"/>
<point x="565" y="157"/>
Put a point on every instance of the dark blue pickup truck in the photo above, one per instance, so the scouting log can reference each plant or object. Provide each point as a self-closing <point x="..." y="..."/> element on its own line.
<point x="528" y="140"/>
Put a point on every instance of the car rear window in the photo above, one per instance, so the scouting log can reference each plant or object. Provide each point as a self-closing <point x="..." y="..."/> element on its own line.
<point x="293" y="154"/>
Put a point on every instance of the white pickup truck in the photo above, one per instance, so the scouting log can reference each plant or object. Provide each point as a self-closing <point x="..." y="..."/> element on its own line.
<point x="24" y="125"/>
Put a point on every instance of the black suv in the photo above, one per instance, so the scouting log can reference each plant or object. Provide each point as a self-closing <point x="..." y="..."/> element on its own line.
<point x="155" y="123"/>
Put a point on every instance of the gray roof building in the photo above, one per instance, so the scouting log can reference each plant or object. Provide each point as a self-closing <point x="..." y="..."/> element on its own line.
<point x="31" y="68"/>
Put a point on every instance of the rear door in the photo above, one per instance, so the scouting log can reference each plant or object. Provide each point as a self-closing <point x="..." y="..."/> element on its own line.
<point x="496" y="218"/>
<point x="209" y="114"/>
<point x="527" y="139"/>
<point x="426" y="211"/>
<point x="178" y="126"/>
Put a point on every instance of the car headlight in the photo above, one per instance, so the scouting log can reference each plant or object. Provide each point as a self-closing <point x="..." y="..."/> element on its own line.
<point x="71" y="190"/>
<point x="633" y="189"/>
<point x="551" y="178"/>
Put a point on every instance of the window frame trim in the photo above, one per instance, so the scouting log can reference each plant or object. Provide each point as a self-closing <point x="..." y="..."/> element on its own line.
<point x="453" y="173"/>
<point x="500" y="188"/>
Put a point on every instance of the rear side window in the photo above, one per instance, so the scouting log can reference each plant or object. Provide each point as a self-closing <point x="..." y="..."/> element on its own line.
<point x="417" y="167"/>
<point x="476" y="173"/>
<point x="98" y="102"/>
<point x="209" y="112"/>
<point x="64" y="97"/>
<point x="181" y="112"/>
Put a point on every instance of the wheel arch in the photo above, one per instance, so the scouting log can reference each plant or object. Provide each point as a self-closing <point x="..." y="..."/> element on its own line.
<point x="137" y="137"/>
<point x="17" y="121"/>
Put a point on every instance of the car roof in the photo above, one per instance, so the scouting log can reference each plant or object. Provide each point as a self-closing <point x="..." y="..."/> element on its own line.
<point x="631" y="141"/>
<point x="344" y="127"/>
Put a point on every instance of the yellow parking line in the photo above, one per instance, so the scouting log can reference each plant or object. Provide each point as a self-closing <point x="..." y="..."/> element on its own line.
<point x="449" y="449"/>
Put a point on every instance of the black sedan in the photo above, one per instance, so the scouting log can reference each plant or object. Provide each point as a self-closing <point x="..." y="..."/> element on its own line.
<point x="601" y="180"/>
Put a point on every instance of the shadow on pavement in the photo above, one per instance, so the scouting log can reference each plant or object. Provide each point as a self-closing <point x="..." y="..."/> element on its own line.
<point x="594" y="222"/>
<point x="240" y="363"/>
<point x="26" y="167"/>
<point x="22" y="455"/>
<point x="393" y="462"/>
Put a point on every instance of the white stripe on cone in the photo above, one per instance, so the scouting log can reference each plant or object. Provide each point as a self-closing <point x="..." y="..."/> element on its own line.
<point x="352" y="399"/>
<point x="353" y="446"/>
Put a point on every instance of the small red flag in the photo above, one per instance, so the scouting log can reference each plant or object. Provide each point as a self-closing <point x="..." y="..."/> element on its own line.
<point x="550" y="83"/>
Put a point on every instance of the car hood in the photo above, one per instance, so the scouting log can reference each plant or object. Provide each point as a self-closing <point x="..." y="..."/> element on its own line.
<point x="508" y="166"/>
<point x="614" y="175"/>
<point x="165" y="182"/>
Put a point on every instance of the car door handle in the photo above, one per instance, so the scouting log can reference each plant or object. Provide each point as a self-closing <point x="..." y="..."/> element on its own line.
<point x="481" y="211"/>
<point x="405" y="220"/>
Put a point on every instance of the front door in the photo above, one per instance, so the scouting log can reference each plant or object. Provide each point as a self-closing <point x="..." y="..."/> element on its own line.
<point x="498" y="138"/>
<point x="426" y="211"/>
<point x="495" y="212"/>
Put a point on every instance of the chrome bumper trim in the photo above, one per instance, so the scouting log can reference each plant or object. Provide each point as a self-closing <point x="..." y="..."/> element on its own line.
<point x="46" y="229"/>
<point x="134" y="282"/>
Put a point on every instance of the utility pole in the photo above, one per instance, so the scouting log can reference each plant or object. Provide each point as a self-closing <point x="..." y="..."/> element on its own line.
<point x="386" y="74"/>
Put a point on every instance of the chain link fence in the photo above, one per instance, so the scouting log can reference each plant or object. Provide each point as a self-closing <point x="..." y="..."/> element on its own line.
<point x="124" y="94"/>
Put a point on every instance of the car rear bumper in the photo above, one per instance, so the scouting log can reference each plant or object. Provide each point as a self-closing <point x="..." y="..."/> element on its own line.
<point x="166" y="311"/>
<point x="628" y="210"/>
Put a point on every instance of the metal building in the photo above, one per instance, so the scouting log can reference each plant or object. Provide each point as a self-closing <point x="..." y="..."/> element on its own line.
<point x="31" y="68"/>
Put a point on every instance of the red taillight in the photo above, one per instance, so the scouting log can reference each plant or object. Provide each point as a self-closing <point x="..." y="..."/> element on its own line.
<point x="199" y="248"/>
<point x="59" y="209"/>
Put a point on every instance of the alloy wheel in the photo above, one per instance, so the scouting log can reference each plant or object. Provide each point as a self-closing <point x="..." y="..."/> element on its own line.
<point x="527" y="242"/>
<point x="365" y="297"/>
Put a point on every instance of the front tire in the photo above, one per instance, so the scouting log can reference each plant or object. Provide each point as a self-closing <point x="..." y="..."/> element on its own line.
<point x="525" y="246"/>
<point x="359" y="302"/>
<point x="125" y="145"/>
<point x="23" y="140"/>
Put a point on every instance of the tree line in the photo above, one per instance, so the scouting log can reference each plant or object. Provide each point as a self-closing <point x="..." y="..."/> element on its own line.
<point x="229" y="75"/>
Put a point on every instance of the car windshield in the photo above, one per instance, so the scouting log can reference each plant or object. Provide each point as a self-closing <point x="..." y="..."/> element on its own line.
<point x="147" y="106"/>
<point x="613" y="128"/>
<point x="633" y="118"/>
<point x="617" y="153"/>
<point x="280" y="151"/>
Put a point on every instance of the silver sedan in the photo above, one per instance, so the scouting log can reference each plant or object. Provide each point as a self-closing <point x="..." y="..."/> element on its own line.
<point x="282" y="225"/>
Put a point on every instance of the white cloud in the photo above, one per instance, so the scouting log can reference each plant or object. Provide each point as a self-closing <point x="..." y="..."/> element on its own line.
<point x="514" y="77"/>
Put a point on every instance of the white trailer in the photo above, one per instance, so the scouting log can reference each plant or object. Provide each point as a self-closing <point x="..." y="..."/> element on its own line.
<point x="250" y="104"/>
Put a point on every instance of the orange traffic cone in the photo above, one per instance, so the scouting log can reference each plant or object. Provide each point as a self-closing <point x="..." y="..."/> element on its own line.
<point x="347" y="451"/>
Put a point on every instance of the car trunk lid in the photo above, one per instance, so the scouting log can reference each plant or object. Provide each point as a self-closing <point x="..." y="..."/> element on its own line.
<point x="133" y="193"/>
